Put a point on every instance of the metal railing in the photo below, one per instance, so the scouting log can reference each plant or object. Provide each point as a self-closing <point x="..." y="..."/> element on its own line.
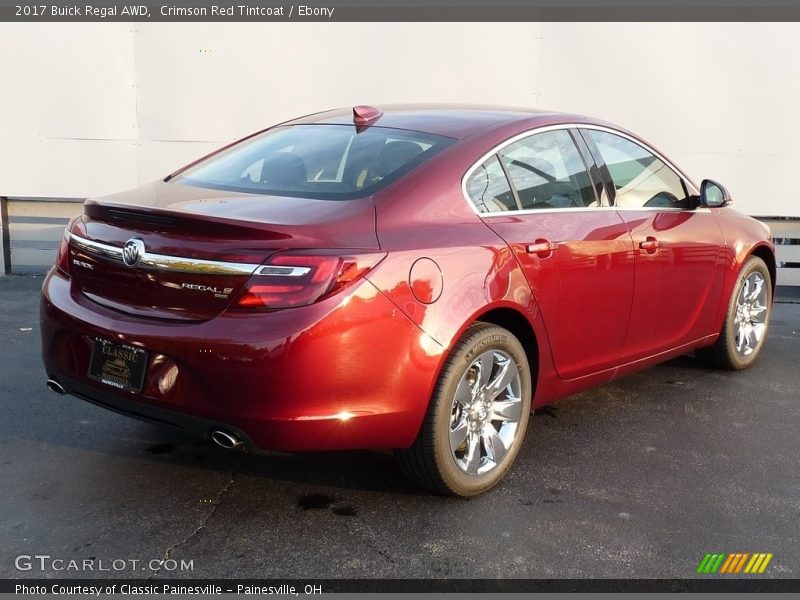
<point x="5" y="239"/>
<point x="31" y="230"/>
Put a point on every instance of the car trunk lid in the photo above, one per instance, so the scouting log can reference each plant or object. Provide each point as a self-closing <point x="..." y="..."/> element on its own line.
<point x="198" y="247"/>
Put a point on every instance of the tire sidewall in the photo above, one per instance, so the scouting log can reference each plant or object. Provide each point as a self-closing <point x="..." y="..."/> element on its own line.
<point x="489" y="338"/>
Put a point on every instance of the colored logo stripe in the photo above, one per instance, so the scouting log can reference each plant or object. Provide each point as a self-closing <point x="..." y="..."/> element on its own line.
<point x="758" y="563"/>
<point x="710" y="563"/>
<point x="728" y="562"/>
<point x="701" y="568"/>
<point x="736" y="562"/>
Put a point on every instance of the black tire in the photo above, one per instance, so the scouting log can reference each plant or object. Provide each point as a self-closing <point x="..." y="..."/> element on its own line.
<point x="430" y="461"/>
<point x="724" y="354"/>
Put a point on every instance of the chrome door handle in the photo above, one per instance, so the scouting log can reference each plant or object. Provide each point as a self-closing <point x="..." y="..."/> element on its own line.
<point x="650" y="244"/>
<point x="541" y="248"/>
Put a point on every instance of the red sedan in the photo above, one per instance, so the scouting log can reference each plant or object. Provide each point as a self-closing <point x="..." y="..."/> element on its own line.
<point x="418" y="278"/>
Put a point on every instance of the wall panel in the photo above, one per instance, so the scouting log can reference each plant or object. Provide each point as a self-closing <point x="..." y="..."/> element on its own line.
<point x="89" y="108"/>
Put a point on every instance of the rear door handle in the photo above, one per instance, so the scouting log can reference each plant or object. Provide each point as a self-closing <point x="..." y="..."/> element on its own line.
<point x="650" y="244"/>
<point x="541" y="248"/>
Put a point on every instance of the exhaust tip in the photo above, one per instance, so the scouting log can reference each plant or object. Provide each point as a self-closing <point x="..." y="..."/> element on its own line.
<point x="56" y="387"/>
<point x="226" y="440"/>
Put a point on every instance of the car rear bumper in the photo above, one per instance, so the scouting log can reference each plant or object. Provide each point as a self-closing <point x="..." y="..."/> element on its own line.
<point x="130" y="407"/>
<point x="349" y="372"/>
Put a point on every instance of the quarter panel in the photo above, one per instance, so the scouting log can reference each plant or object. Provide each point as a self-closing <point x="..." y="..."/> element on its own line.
<point x="428" y="217"/>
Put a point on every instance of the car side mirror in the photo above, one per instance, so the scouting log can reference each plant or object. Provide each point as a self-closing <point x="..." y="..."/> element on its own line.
<point x="713" y="194"/>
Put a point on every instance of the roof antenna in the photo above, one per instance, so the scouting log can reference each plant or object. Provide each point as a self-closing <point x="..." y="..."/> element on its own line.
<point x="364" y="116"/>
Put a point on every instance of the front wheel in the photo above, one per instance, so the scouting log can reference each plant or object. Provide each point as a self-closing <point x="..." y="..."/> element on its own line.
<point x="477" y="416"/>
<point x="747" y="319"/>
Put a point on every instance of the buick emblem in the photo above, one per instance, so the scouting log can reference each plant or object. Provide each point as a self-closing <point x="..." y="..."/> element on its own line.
<point x="132" y="251"/>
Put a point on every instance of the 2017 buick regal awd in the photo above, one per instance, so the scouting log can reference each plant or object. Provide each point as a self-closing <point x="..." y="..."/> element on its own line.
<point x="417" y="278"/>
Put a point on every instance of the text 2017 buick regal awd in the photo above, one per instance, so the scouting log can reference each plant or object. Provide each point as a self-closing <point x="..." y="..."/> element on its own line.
<point x="417" y="278"/>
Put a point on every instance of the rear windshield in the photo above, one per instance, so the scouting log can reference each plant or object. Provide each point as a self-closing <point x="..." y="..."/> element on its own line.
<point x="330" y="162"/>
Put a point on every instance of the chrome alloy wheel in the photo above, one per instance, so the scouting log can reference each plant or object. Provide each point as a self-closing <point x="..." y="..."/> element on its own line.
<point x="751" y="314"/>
<point x="486" y="412"/>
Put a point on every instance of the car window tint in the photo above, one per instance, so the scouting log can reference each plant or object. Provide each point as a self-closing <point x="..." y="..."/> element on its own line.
<point x="334" y="162"/>
<point x="548" y="172"/>
<point x="489" y="189"/>
<point x="640" y="178"/>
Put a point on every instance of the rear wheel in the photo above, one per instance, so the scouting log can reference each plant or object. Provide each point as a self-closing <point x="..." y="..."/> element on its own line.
<point x="477" y="416"/>
<point x="747" y="319"/>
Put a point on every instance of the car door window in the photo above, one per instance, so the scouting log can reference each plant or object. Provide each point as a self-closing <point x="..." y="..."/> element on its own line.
<point x="641" y="179"/>
<point x="548" y="172"/>
<point x="489" y="189"/>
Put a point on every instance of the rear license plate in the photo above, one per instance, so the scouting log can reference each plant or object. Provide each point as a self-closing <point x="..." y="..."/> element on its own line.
<point x="118" y="365"/>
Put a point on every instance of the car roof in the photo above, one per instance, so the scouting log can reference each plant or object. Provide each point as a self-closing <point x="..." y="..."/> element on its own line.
<point x="452" y="120"/>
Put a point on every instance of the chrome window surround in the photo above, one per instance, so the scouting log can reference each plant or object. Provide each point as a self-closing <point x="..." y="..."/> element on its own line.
<point x="179" y="264"/>
<point x="536" y="211"/>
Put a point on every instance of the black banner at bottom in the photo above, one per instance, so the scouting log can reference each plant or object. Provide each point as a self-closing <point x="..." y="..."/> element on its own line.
<point x="310" y="587"/>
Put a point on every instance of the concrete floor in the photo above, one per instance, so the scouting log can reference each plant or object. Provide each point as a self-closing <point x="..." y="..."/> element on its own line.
<point x="639" y="478"/>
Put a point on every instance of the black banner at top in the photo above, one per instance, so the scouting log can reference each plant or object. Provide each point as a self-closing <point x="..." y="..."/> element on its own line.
<point x="397" y="11"/>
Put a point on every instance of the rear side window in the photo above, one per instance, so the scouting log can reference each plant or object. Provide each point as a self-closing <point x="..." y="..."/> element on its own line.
<point x="548" y="172"/>
<point x="488" y="188"/>
<point x="333" y="162"/>
<point x="640" y="178"/>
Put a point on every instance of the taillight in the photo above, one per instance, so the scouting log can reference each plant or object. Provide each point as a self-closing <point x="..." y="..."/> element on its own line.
<point x="62" y="260"/>
<point x="63" y="257"/>
<point x="291" y="279"/>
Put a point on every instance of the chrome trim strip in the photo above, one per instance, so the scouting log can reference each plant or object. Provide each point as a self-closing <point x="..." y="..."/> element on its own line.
<point x="283" y="271"/>
<point x="530" y="132"/>
<point x="538" y="211"/>
<point x="164" y="262"/>
<point x="111" y="252"/>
